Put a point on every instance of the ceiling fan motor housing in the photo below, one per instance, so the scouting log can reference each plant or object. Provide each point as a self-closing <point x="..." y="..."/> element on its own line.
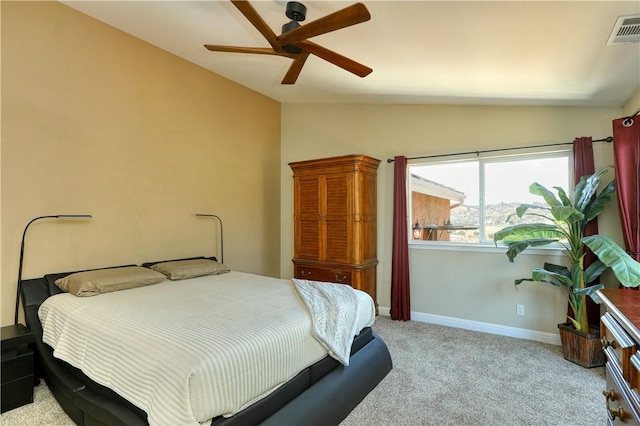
<point x="297" y="12"/>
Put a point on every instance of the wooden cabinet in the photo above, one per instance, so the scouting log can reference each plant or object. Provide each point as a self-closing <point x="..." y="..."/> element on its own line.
<point x="334" y="218"/>
<point x="620" y="333"/>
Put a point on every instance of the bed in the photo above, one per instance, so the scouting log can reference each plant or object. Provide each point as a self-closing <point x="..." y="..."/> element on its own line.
<point x="315" y="387"/>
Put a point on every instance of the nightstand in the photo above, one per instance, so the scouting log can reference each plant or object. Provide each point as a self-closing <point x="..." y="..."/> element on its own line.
<point x="17" y="367"/>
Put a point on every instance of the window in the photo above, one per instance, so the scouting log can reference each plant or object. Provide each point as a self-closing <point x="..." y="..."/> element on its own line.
<point x="466" y="201"/>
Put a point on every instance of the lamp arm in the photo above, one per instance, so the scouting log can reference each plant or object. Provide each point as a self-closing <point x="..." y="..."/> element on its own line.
<point x="221" y="233"/>
<point x="19" y="288"/>
<point x="24" y="234"/>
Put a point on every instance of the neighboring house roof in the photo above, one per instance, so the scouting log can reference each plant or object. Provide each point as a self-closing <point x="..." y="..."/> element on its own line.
<point x="429" y="187"/>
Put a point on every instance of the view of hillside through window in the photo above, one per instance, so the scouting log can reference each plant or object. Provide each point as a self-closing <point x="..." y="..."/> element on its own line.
<point x="467" y="201"/>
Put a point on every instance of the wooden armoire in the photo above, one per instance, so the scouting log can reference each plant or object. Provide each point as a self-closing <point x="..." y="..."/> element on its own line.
<point x="335" y="221"/>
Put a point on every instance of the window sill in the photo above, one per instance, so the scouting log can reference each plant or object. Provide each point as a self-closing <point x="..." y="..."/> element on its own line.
<point x="483" y="248"/>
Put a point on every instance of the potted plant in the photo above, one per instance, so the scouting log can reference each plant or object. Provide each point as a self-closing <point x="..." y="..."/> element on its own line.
<point x="566" y="220"/>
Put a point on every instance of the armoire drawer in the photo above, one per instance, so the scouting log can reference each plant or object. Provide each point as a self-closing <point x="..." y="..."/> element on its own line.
<point x="634" y="381"/>
<point x="617" y="344"/>
<point x="340" y="276"/>
<point x="620" y="409"/>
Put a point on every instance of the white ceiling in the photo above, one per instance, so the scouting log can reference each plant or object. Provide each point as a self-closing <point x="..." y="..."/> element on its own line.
<point x="453" y="52"/>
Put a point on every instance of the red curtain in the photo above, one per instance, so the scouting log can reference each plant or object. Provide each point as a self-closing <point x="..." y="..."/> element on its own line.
<point x="400" y="294"/>
<point x="583" y="164"/>
<point x="626" y="153"/>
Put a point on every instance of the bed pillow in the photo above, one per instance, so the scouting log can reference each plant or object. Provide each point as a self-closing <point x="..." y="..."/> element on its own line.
<point x="98" y="281"/>
<point x="190" y="268"/>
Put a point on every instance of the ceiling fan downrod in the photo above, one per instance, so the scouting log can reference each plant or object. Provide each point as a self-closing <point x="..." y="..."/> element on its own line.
<point x="297" y="12"/>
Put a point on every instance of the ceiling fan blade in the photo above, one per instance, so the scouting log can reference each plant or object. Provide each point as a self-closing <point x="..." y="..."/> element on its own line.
<point x="346" y="17"/>
<point x="258" y="50"/>
<point x="256" y="20"/>
<point x="335" y="58"/>
<point x="295" y="68"/>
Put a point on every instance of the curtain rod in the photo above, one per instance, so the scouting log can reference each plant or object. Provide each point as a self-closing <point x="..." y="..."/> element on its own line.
<point x="607" y="139"/>
<point x="628" y="121"/>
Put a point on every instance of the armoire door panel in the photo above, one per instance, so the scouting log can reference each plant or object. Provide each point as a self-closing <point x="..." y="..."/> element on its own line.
<point x="308" y="199"/>
<point x="337" y="196"/>
<point x="309" y="245"/>
<point x="338" y="242"/>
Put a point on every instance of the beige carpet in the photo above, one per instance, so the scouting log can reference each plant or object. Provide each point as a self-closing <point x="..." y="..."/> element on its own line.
<point x="446" y="376"/>
<point x="449" y="376"/>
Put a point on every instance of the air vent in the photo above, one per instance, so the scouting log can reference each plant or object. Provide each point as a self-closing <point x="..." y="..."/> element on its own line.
<point x="626" y="30"/>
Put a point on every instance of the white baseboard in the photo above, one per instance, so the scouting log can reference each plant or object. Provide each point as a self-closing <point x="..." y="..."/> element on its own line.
<point x="484" y="327"/>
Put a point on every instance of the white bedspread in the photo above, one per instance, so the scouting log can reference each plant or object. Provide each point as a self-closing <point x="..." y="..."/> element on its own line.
<point x="334" y="309"/>
<point x="188" y="351"/>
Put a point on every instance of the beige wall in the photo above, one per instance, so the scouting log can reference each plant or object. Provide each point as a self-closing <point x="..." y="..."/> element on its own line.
<point x="466" y="285"/>
<point x="631" y="105"/>
<point x="95" y="121"/>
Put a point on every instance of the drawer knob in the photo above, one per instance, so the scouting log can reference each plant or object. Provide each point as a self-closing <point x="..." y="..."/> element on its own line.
<point x="618" y="412"/>
<point x="606" y="343"/>
<point x="341" y="279"/>
<point x="609" y="394"/>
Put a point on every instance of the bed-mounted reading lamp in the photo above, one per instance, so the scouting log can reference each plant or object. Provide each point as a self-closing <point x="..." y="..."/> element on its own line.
<point x="221" y="239"/>
<point x="24" y="234"/>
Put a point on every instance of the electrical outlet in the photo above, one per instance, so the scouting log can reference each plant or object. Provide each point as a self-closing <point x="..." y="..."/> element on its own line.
<point x="520" y="309"/>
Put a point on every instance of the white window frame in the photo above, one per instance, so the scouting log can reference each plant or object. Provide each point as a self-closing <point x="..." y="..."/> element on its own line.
<point x="483" y="246"/>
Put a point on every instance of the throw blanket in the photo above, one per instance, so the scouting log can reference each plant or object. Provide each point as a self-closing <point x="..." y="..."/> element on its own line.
<point x="334" y="310"/>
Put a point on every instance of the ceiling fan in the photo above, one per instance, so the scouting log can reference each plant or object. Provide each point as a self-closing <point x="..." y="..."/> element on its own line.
<point x="293" y="42"/>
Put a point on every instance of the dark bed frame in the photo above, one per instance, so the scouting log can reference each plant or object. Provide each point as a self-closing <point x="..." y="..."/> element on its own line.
<point x="323" y="394"/>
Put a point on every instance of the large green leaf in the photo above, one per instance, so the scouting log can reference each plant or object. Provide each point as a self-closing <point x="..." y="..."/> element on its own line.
<point x="563" y="196"/>
<point x="537" y="189"/>
<point x="522" y="209"/>
<point x="594" y="271"/>
<point x="543" y="275"/>
<point x="521" y="280"/>
<point x="578" y="191"/>
<point x="590" y="291"/>
<point x="587" y="187"/>
<point x="626" y="270"/>
<point x="517" y="247"/>
<point x="552" y="282"/>
<point x="566" y="214"/>
<point x="528" y="231"/>
<point x="558" y="269"/>
<point x="597" y="205"/>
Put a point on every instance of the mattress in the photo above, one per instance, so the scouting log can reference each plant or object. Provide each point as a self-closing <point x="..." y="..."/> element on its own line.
<point x="188" y="351"/>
